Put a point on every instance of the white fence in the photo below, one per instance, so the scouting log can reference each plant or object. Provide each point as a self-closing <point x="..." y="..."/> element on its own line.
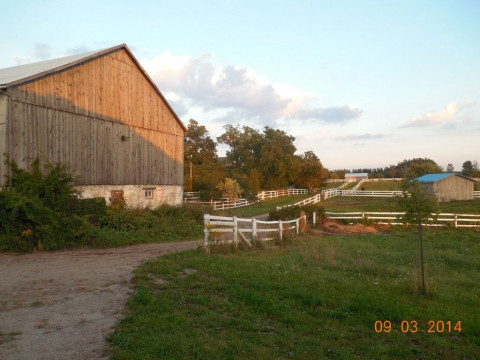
<point x="324" y="194"/>
<point x="395" y="218"/>
<point x="279" y="193"/>
<point x="476" y="194"/>
<point x="215" y="227"/>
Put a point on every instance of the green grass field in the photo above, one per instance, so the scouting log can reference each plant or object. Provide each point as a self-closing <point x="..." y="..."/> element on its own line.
<point x="262" y="207"/>
<point x="314" y="298"/>
<point x="382" y="185"/>
<point x="358" y="203"/>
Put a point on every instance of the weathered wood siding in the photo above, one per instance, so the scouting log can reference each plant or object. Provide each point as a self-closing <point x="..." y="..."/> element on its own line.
<point x="454" y="188"/>
<point x="3" y="137"/>
<point x="80" y="115"/>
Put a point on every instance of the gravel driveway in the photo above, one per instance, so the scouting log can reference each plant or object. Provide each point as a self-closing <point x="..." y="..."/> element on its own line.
<point x="62" y="305"/>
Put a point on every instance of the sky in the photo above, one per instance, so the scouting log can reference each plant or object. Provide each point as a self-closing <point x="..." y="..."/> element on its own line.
<point x="362" y="84"/>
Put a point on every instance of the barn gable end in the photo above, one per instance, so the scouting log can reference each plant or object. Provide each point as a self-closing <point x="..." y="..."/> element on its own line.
<point x="104" y="116"/>
<point x="448" y="187"/>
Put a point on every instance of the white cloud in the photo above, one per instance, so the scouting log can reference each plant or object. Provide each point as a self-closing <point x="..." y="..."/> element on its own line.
<point x="240" y="92"/>
<point x="454" y="111"/>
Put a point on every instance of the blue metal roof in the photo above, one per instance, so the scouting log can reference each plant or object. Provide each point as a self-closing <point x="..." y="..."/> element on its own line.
<point x="433" y="177"/>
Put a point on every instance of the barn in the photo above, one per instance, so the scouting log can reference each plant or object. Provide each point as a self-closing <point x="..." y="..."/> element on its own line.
<point x="101" y="113"/>
<point x="449" y="186"/>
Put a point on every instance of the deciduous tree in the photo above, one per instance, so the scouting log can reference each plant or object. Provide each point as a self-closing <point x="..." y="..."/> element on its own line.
<point x="418" y="203"/>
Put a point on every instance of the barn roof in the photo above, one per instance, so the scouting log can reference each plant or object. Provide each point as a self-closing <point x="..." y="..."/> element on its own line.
<point x="430" y="178"/>
<point x="21" y="74"/>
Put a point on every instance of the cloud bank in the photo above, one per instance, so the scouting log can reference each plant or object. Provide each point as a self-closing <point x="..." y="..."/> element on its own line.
<point x="238" y="91"/>
<point x="454" y="111"/>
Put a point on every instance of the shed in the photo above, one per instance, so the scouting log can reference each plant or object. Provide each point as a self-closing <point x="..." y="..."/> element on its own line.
<point x="356" y="176"/>
<point x="449" y="186"/>
<point x="101" y="113"/>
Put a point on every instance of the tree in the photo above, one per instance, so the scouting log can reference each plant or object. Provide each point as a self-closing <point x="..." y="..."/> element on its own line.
<point x="311" y="172"/>
<point x="475" y="170"/>
<point x="230" y="189"/>
<point x="253" y="181"/>
<point x="418" y="203"/>
<point x="450" y="168"/>
<point x="467" y="168"/>
<point x="420" y="167"/>
<point x="201" y="160"/>
<point x="278" y="163"/>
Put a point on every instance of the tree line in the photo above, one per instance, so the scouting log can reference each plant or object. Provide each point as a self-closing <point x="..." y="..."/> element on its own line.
<point x="267" y="160"/>
<point x="254" y="160"/>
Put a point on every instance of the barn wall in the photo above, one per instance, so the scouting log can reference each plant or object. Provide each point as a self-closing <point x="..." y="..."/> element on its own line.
<point x="134" y="195"/>
<point x="3" y="137"/>
<point x="454" y="188"/>
<point x="80" y="115"/>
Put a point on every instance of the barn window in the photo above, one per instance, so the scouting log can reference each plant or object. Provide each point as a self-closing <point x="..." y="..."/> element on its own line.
<point x="148" y="193"/>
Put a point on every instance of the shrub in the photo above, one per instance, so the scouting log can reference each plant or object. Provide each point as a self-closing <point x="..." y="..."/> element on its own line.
<point x="294" y="212"/>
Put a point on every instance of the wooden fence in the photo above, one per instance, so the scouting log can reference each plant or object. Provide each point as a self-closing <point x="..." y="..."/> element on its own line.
<point x="395" y="218"/>
<point x="218" y="228"/>
<point x="476" y="194"/>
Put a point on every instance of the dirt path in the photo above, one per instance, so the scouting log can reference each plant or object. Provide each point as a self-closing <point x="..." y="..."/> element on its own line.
<point x="62" y="305"/>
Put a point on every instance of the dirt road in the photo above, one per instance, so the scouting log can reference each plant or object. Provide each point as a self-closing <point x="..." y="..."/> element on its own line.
<point x="62" y="305"/>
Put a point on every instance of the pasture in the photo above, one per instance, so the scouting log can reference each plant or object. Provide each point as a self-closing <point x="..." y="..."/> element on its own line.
<point x="314" y="297"/>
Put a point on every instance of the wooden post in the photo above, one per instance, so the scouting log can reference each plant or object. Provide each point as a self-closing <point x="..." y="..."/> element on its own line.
<point x="456" y="216"/>
<point x="206" y="222"/>
<point x="280" y="229"/>
<point x="297" y="225"/>
<point x="235" y="231"/>
<point x="254" y="229"/>
<point x="314" y="218"/>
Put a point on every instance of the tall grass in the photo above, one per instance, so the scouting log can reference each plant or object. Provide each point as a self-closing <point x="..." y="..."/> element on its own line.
<point x="318" y="298"/>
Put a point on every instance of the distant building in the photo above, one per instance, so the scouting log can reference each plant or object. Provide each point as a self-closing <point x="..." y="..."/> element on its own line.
<point x="448" y="187"/>
<point x="101" y="113"/>
<point x="356" y="176"/>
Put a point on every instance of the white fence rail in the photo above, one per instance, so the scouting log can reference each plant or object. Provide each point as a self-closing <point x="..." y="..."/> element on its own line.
<point x="476" y="194"/>
<point x="279" y="193"/>
<point x="217" y="228"/>
<point x="395" y="218"/>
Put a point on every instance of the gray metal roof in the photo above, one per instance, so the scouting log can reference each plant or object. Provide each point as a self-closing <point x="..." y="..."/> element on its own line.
<point x="16" y="73"/>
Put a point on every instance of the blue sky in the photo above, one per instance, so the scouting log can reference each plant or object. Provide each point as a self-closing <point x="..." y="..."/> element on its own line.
<point x="361" y="83"/>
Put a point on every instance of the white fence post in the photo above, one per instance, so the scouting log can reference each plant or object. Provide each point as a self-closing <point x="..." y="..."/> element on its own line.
<point x="206" y="222"/>
<point x="235" y="231"/>
<point x="314" y="218"/>
<point x="456" y="220"/>
<point x="280" y="229"/>
<point x="254" y="229"/>
<point x="297" y="226"/>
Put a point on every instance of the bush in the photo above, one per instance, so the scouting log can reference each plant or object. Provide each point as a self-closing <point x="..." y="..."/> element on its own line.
<point x="294" y="212"/>
<point x="40" y="211"/>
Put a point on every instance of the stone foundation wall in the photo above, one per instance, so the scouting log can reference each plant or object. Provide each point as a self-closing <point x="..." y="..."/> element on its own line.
<point x="136" y="196"/>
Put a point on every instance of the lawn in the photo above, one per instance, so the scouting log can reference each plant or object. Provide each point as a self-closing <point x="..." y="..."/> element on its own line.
<point x="382" y="185"/>
<point x="314" y="298"/>
<point x="262" y="207"/>
<point x="358" y="203"/>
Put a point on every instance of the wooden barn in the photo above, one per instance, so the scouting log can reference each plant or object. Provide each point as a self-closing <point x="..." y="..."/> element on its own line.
<point x="101" y="113"/>
<point x="448" y="187"/>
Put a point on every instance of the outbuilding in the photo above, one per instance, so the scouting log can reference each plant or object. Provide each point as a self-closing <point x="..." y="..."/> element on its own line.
<point x="356" y="176"/>
<point x="101" y="113"/>
<point x="448" y="187"/>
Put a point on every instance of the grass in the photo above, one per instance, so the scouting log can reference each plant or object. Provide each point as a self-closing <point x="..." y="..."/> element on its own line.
<point x="382" y="185"/>
<point x="356" y="203"/>
<point x="263" y="207"/>
<point x="315" y="298"/>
